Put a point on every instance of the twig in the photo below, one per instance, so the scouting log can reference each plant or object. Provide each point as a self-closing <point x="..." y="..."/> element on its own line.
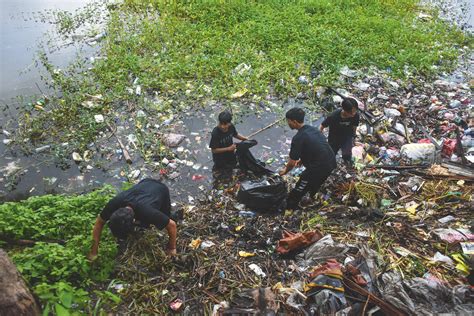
<point x="365" y="305"/>
<point x="126" y="155"/>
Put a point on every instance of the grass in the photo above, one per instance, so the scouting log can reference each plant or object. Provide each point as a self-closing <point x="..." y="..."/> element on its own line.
<point x="183" y="52"/>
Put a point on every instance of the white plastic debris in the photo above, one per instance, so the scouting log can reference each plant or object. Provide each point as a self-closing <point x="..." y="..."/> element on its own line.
<point x="438" y="257"/>
<point x="362" y="86"/>
<point x="345" y="71"/>
<point x="99" y="118"/>
<point x="76" y="157"/>
<point x="218" y="308"/>
<point x="446" y="219"/>
<point x="11" y="168"/>
<point x="303" y="80"/>
<point x="258" y="271"/>
<point x="135" y="174"/>
<point x="42" y="148"/>
<point x="138" y="90"/>
<point x="242" y="69"/>
<point x="207" y="244"/>
<point x="390" y="113"/>
<point x="418" y="152"/>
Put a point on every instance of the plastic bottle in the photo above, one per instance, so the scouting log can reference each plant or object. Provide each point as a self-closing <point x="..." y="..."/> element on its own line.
<point x="247" y="213"/>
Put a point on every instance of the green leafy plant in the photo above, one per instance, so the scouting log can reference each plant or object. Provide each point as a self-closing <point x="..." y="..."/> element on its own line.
<point x="56" y="266"/>
<point x="61" y="297"/>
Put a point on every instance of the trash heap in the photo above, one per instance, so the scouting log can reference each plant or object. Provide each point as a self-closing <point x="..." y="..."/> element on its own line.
<point x="390" y="236"/>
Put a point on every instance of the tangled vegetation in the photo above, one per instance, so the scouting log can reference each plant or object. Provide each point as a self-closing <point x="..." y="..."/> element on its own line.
<point x="157" y="56"/>
<point x="57" y="230"/>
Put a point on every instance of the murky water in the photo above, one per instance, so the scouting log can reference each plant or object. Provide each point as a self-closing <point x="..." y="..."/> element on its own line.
<point x="37" y="174"/>
<point x="20" y="35"/>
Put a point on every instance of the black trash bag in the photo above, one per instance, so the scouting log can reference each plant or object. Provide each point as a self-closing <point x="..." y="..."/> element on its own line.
<point x="264" y="194"/>
<point x="247" y="161"/>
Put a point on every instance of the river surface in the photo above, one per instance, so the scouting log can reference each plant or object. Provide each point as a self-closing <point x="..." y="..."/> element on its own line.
<point x="20" y="34"/>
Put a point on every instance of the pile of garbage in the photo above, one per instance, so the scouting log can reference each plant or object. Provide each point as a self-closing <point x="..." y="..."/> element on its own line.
<point x="393" y="235"/>
<point x="319" y="261"/>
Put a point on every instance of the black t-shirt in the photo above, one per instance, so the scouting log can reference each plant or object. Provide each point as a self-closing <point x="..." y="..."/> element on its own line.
<point x="340" y="128"/>
<point x="219" y="139"/>
<point x="310" y="145"/>
<point x="149" y="199"/>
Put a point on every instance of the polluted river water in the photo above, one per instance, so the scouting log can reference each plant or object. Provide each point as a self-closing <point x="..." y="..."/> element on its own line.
<point x="37" y="174"/>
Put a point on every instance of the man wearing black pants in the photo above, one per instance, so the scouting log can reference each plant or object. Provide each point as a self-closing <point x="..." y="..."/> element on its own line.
<point x="342" y="125"/>
<point x="310" y="148"/>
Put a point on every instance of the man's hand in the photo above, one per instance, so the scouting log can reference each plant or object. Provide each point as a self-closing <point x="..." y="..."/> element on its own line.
<point x="232" y="147"/>
<point x="282" y="172"/>
<point x="171" y="252"/>
<point x="299" y="163"/>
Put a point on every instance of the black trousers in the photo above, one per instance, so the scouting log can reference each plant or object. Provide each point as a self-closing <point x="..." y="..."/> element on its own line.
<point x="308" y="182"/>
<point x="345" y="145"/>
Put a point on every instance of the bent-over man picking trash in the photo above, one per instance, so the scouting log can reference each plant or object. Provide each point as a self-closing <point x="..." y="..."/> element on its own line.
<point x="310" y="148"/>
<point x="146" y="203"/>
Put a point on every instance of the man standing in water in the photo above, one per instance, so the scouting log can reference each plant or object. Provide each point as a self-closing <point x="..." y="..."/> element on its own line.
<point x="342" y="125"/>
<point x="310" y="148"/>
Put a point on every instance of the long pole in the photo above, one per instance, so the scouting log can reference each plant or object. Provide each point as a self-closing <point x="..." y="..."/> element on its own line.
<point x="265" y="128"/>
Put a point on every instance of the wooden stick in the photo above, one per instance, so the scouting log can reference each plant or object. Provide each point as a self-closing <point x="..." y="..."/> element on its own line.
<point x="126" y="155"/>
<point x="389" y="167"/>
<point x="265" y="128"/>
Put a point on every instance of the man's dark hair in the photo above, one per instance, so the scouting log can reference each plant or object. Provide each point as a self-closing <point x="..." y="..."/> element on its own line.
<point x="121" y="223"/>
<point x="348" y="104"/>
<point x="296" y="114"/>
<point x="225" y="117"/>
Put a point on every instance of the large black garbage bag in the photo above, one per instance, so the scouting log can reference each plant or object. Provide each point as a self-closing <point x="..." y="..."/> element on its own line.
<point x="266" y="194"/>
<point x="247" y="161"/>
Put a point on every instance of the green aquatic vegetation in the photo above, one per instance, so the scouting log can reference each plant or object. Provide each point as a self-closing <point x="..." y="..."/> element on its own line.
<point x="191" y="52"/>
<point x="55" y="266"/>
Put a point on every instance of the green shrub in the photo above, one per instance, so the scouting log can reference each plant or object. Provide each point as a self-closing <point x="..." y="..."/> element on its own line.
<point x="59" y="272"/>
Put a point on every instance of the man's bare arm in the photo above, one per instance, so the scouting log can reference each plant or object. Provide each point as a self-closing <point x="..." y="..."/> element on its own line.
<point x="289" y="166"/>
<point x="96" y="232"/>
<point x="172" y="232"/>
<point x="240" y="137"/>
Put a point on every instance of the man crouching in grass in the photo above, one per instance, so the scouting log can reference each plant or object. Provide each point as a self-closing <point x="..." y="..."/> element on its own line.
<point x="146" y="203"/>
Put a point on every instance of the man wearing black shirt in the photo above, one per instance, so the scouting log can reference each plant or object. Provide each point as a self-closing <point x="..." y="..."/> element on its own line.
<point x="222" y="143"/>
<point x="147" y="203"/>
<point x="310" y="148"/>
<point x="342" y="125"/>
